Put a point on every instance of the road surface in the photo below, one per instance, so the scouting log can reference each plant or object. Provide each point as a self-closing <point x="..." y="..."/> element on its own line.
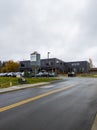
<point x="67" y="105"/>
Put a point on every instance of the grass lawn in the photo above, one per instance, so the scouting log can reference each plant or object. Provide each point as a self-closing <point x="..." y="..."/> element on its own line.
<point x="11" y="81"/>
<point x="88" y="75"/>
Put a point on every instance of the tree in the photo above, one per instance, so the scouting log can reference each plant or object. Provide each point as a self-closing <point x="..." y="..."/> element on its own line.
<point x="10" y="66"/>
<point x="2" y="67"/>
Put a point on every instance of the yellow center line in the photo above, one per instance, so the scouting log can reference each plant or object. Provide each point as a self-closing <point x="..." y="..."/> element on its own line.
<point x="32" y="99"/>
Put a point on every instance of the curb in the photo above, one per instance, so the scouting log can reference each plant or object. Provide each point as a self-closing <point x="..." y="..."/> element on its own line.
<point x="21" y="87"/>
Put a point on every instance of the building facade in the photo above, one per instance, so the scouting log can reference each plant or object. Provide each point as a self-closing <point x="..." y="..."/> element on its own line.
<point x="35" y="64"/>
<point x="31" y="65"/>
<point x="35" y="59"/>
<point x="53" y="65"/>
<point x="25" y="66"/>
<point x="78" y="66"/>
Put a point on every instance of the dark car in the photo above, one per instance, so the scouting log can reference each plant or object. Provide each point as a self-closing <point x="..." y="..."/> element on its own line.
<point x="71" y="74"/>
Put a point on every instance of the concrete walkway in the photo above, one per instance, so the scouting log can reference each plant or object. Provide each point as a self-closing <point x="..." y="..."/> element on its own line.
<point x="20" y="87"/>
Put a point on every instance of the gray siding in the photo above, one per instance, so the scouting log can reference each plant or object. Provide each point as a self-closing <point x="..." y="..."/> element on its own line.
<point x="78" y="66"/>
<point x="25" y="65"/>
<point x="58" y="66"/>
<point x="53" y="64"/>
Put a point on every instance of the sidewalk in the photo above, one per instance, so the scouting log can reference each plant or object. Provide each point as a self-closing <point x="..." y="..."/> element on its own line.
<point x="20" y="87"/>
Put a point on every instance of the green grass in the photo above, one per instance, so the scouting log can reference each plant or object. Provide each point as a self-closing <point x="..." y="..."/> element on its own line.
<point x="6" y="81"/>
<point x="88" y="75"/>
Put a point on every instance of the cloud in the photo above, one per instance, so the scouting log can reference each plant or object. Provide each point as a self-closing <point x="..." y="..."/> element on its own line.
<point x="65" y="28"/>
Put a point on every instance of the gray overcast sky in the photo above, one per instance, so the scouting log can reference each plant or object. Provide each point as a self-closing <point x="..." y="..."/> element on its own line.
<point x="66" y="28"/>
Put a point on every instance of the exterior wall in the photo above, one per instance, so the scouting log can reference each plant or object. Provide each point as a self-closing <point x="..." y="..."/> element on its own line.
<point x="35" y="59"/>
<point x="25" y="65"/>
<point x="35" y="62"/>
<point x="57" y="66"/>
<point x="78" y="66"/>
<point x="60" y="66"/>
<point x="53" y="65"/>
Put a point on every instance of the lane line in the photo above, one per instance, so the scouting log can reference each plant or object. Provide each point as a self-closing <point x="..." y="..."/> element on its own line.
<point x="33" y="99"/>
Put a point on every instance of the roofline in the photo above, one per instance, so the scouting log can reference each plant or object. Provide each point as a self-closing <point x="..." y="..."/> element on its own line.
<point x="77" y="61"/>
<point x="53" y="58"/>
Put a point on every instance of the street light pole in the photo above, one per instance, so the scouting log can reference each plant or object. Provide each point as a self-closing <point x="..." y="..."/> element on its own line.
<point x="48" y="55"/>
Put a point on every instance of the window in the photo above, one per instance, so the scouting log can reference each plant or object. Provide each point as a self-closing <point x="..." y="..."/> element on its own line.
<point x="22" y="65"/>
<point x="75" y="64"/>
<point x="57" y="62"/>
<point x="47" y="64"/>
<point x="52" y="63"/>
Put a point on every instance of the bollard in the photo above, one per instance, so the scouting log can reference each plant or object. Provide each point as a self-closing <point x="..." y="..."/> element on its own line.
<point x="10" y="84"/>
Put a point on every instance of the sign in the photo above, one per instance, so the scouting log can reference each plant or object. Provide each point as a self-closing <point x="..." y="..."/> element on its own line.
<point x="75" y="64"/>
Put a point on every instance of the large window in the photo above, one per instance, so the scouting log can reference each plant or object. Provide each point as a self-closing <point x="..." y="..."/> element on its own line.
<point x="75" y="64"/>
<point x="33" y="57"/>
<point x="47" y="64"/>
<point x="22" y="65"/>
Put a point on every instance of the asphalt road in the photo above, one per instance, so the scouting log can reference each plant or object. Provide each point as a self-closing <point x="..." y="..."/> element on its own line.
<point x="67" y="105"/>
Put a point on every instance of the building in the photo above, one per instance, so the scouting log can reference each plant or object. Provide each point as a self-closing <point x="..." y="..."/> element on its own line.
<point x="31" y="65"/>
<point x="25" y="66"/>
<point x="50" y="65"/>
<point x="53" y="65"/>
<point x="35" y="59"/>
<point x="35" y="62"/>
<point x="78" y="66"/>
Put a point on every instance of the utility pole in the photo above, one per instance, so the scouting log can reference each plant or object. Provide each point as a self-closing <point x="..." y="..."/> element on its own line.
<point x="48" y="55"/>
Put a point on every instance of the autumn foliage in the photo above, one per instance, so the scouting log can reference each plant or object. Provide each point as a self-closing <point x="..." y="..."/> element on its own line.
<point x="10" y="66"/>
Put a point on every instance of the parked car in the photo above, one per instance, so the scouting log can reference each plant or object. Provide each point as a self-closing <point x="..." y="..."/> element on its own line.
<point x="71" y="74"/>
<point x="40" y="74"/>
<point x="2" y="74"/>
<point x="11" y="74"/>
<point x="45" y="74"/>
<point x="52" y="75"/>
